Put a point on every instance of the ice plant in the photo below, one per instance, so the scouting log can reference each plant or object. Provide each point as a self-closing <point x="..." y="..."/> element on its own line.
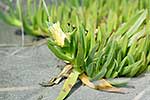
<point x="94" y="55"/>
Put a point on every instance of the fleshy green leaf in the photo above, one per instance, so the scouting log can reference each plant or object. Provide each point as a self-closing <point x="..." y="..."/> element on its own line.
<point x="69" y="83"/>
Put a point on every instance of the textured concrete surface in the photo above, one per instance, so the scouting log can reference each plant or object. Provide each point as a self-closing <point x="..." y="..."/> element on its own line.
<point x="21" y="73"/>
<point x="7" y="35"/>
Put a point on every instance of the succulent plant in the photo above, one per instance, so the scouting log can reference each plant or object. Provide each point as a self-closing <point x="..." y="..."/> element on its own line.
<point x="101" y="43"/>
<point x="95" y="55"/>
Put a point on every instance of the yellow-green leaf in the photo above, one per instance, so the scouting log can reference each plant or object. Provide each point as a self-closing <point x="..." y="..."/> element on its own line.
<point x="69" y="83"/>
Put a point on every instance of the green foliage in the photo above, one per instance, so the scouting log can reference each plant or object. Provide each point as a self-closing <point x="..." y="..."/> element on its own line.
<point x="120" y="53"/>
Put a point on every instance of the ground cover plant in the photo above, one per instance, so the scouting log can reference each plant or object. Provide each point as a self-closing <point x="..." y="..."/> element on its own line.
<point x="99" y="40"/>
<point x="117" y="46"/>
<point x="94" y="56"/>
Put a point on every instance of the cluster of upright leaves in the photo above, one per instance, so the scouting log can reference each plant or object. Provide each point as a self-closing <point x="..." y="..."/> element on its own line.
<point x="93" y="48"/>
<point x="103" y="44"/>
<point x="99" y="54"/>
<point x="125" y="52"/>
